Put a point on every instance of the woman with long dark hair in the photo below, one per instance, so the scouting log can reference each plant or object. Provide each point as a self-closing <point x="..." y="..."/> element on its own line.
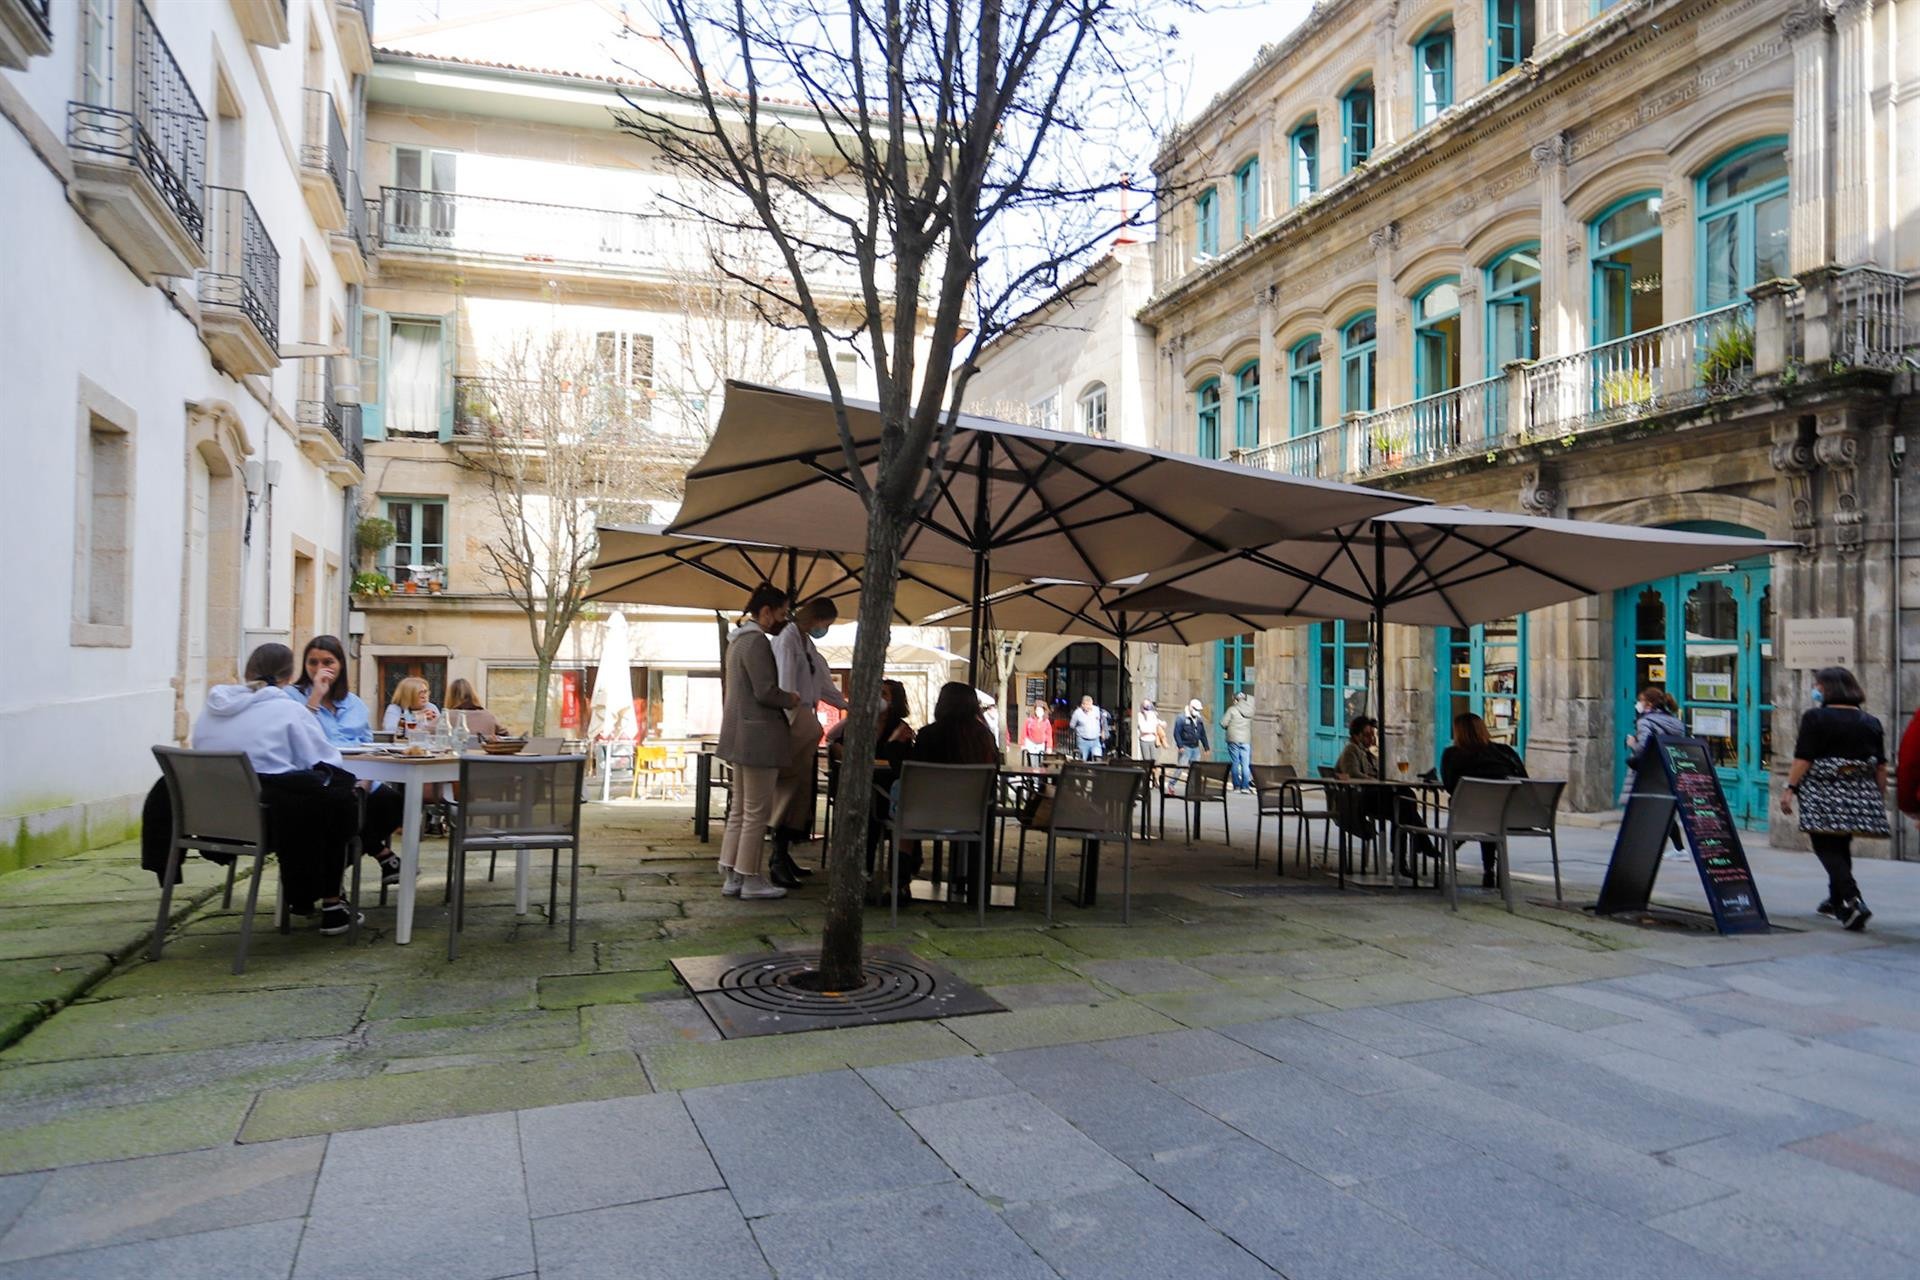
<point x="324" y="688"/>
<point x="1839" y="776"/>
<point x="1474" y="754"/>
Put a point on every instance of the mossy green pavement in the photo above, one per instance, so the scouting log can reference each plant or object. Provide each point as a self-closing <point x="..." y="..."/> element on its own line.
<point x="114" y="1056"/>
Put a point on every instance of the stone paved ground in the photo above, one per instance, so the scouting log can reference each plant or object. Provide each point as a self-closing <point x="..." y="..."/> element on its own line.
<point x="1310" y="1084"/>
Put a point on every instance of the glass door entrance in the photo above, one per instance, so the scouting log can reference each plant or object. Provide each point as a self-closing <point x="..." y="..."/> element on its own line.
<point x="1707" y="639"/>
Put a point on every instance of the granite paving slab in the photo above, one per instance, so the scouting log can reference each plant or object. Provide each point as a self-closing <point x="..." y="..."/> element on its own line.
<point x="690" y="1237"/>
<point x="1175" y="1055"/>
<point x="158" y="1024"/>
<point x="1888" y="1153"/>
<point x="1387" y="1031"/>
<point x="588" y="1155"/>
<point x="921" y="1084"/>
<point x="446" y="1199"/>
<point x="1353" y="1066"/>
<point x="1108" y="1101"/>
<point x="943" y="1232"/>
<point x="17" y="1191"/>
<point x="1777" y="1242"/>
<point x="1131" y="1233"/>
<point x="1011" y="1148"/>
<point x="263" y="1251"/>
<point x="807" y="1141"/>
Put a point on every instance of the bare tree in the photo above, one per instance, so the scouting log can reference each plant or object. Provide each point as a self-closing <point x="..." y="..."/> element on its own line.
<point x="920" y="170"/>
<point x="561" y="445"/>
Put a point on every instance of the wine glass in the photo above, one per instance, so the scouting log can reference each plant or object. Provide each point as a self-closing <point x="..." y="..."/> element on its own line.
<point x="1403" y="766"/>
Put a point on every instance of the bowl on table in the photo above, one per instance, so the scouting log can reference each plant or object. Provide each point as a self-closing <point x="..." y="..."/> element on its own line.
<point x="504" y="746"/>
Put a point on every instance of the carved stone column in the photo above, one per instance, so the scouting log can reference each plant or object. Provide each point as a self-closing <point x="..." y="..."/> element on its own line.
<point x="1836" y="447"/>
<point x="1272" y="384"/>
<point x="1389" y="55"/>
<point x="1856" y="220"/>
<point x="1393" y="366"/>
<point x="1550" y="161"/>
<point x="1792" y="457"/>
<point x="1809" y="26"/>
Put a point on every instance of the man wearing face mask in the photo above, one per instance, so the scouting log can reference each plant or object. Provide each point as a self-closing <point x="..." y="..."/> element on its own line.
<point x="804" y="671"/>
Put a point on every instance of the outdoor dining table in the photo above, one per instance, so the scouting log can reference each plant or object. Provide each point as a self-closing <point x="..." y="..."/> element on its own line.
<point x="1027" y="776"/>
<point x="413" y="774"/>
<point x="1427" y="793"/>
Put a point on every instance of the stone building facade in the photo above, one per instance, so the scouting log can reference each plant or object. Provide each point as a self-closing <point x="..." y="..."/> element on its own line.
<point x="1646" y="262"/>
<point x="179" y="259"/>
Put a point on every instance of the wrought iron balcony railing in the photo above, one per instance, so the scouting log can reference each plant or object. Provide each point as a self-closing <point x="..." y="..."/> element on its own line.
<point x="325" y="148"/>
<point x="155" y="124"/>
<point x="1869" y="326"/>
<point x="356" y="212"/>
<point x="41" y="12"/>
<point x="353" y="437"/>
<point x="243" y="270"/>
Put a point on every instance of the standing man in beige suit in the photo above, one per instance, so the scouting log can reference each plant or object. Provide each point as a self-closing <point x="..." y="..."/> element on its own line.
<point x="804" y="671"/>
<point x="753" y="739"/>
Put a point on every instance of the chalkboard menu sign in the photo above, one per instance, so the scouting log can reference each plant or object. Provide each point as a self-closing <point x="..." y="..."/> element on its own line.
<point x="1676" y="779"/>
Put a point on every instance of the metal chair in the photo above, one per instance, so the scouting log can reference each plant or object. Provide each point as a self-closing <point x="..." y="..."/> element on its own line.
<point x="1347" y="808"/>
<point x="1536" y="812"/>
<point x="1274" y="785"/>
<point x="514" y="804"/>
<point x="1206" y="783"/>
<point x="1095" y="802"/>
<point x="1479" y="813"/>
<point x="950" y="802"/>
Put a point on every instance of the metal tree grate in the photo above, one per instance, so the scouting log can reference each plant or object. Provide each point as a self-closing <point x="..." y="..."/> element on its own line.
<point x="761" y="993"/>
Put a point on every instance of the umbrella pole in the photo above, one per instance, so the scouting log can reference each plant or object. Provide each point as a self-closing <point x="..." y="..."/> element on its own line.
<point x="1380" y="641"/>
<point x="977" y="620"/>
<point x="1123" y="731"/>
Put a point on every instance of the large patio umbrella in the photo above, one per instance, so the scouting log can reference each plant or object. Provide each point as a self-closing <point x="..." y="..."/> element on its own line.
<point x="1054" y="606"/>
<point x="1029" y="502"/>
<point x="644" y="564"/>
<point x="1433" y="566"/>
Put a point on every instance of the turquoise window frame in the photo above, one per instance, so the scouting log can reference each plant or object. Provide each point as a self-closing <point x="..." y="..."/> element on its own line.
<point x="1510" y="35"/>
<point x="1509" y="296"/>
<point x="1206" y="418"/>
<point x="1350" y="643"/>
<point x="1452" y="644"/>
<point x="1356" y="135"/>
<point x="415" y="548"/>
<point x="1206" y="230"/>
<point x="1358" y="353"/>
<point x="1303" y="161"/>
<point x="1303" y="386"/>
<point x="1742" y="206"/>
<point x="1246" y="191"/>
<point x="1233" y="672"/>
<point x="1423" y="376"/>
<point x="1246" y="406"/>
<point x="1597" y="270"/>
<point x="1427" y="106"/>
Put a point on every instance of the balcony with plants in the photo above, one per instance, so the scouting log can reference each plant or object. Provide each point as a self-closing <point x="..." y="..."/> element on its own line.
<point x="139" y="143"/>
<point x="1722" y="356"/>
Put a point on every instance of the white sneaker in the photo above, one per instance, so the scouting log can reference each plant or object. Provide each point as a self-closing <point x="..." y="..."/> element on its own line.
<point x="760" y="887"/>
<point x="731" y="889"/>
<point x="725" y="870"/>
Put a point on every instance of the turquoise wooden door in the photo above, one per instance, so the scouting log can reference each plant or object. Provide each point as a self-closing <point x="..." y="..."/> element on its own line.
<point x="1342" y="663"/>
<point x="1482" y="670"/>
<point x="1707" y="639"/>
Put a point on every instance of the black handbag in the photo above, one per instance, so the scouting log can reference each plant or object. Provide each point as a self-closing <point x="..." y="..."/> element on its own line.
<point x="1841" y="797"/>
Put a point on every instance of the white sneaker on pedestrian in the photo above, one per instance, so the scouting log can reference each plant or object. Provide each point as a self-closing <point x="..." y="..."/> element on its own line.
<point x="760" y="887"/>
<point x="725" y="870"/>
<point x="731" y="889"/>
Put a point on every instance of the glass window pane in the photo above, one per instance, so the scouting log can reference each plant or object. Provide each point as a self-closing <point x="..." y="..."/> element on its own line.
<point x="1749" y="173"/>
<point x="1770" y="239"/>
<point x="1628" y="221"/>
<point x="1442" y="299"/>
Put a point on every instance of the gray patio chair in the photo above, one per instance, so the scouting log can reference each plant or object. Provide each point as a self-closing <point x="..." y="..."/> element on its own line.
<point x="1346" y="805"/>
<point x="1276" y="794"/>
<point x="1479" y="813"/>
<point x="1206" y="783"/>
<point x="1536" y="812"/>
<point x="217" y="808"/>
<point x="511" y="804"/>
<point x="950" y="802"/>
<point x="1095" y="802"/>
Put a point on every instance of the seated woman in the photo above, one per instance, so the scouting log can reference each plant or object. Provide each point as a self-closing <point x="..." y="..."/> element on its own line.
<point x="892" y="738"/>
<point x="309" y="799"/>
<point x="957" y="735"/>
<point x="1474" y="754"/>
<point x="409" y="707"/>
<point x="323" y="688"/>
<point x="1397" y="805"/>
<point x="461" y="698"/>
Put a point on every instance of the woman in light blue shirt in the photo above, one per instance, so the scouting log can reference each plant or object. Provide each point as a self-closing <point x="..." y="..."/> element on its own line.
<point x="344" y="718"/>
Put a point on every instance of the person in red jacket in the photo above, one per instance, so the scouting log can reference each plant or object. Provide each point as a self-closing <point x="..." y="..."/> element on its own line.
<point x="1036" y="735"/>
<point x="1906" y="789"/>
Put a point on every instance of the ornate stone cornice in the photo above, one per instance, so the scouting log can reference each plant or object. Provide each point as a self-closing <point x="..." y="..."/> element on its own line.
<point x="1805" y="18"/>
<point x="1836" y="446"/>
<point x="1554" y="152"/>
<point x="1540" y="491"/>
<point x="1384" y="239"/>
<point x="1792" y="456"/>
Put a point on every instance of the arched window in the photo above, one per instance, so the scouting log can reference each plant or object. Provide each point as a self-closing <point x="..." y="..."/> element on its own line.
<point x="1093" y="410"/>
<point x="1206" y="419"/>
<point x="1433" y="71"/>
<point x="1358" y="343"/>
<point x="1509" y="35"/>
<point x="1356" y="125"/>
<point x="1436" y="337"/>
<point x="1206" y="218"/>
<point x="1246" y="198"/>
<point x="1303" y="386"/>
<point x="1624" y="256"/>
<point x="1303" y="148"/>
<point x="1743" y="222"/>
<point x="1246" y="406"/>
<point x="1513" y="307"/>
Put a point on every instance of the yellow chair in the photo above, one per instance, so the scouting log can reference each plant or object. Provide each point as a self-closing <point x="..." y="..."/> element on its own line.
<point x="650" y="763"/>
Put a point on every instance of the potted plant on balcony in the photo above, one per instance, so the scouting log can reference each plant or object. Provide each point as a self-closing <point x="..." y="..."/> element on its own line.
<point x="1728" y="353"/>
<point x="1625" y="387"/>
<point x="372" y="583"/>
<point x="373" y="535"/>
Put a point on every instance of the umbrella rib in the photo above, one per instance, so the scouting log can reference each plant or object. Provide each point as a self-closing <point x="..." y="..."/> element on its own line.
<point x="1513" y="562"/>
<point x="1065" y="532"/>
<point x="1420" y="563"/>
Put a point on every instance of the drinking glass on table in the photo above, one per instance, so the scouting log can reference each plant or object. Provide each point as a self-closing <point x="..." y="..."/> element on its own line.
<point x="1403" y="766"/>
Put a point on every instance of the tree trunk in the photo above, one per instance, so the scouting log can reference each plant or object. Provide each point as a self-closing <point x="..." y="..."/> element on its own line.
<point x="542" y="677"/>
<point x="842" y="939"/>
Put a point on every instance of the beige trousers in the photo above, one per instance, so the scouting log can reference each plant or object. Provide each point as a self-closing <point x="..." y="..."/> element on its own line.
<point x="744" y="846"/>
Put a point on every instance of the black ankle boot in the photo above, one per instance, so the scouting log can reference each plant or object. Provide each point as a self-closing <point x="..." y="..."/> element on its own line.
<point x="795" y="836"/>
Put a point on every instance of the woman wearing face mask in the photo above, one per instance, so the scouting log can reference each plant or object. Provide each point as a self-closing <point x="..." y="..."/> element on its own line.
<point x="1839" y="776"/>
<point x="804" y="671"/>
<point x="753" y="739"/>
<point x="1654" y="711"/>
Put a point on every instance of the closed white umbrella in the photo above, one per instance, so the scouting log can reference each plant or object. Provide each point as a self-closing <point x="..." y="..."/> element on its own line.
<point x="612" y="719"/>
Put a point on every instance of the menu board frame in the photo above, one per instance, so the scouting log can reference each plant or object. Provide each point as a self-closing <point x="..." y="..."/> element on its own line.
<point x="1676" y="777"/>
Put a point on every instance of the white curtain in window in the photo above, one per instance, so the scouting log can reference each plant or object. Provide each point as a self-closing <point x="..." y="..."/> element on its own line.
<point x="413" y="378"/>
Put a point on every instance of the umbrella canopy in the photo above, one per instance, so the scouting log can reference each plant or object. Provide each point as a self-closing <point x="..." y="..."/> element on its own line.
<point x="1056" y="607"/>
<point x="1039" y="503"/>
<point x="1435" y="566"/>
<point x="644" y="564"/>
<point x="612" y="718"/>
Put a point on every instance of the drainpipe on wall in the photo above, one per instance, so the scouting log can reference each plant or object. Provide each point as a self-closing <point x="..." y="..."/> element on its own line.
<point x="1897" y="459"/>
